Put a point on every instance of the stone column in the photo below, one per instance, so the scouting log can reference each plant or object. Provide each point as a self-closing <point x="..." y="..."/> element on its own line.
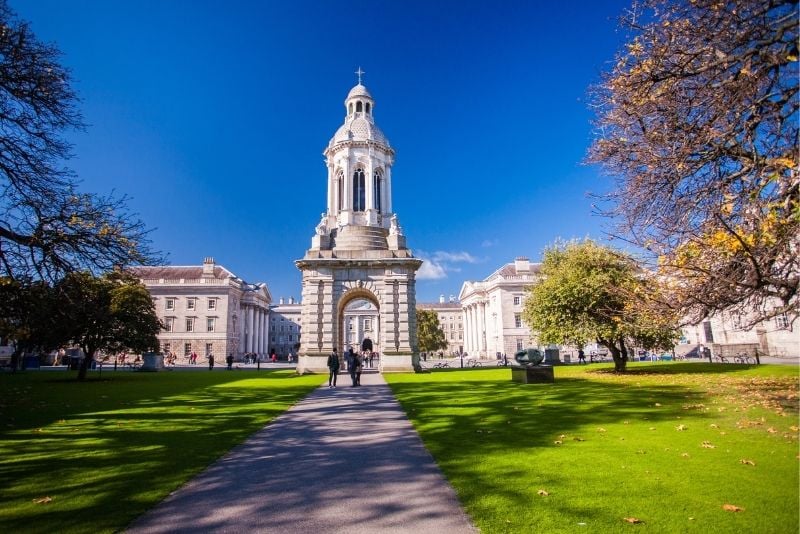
<point x="388" y="189"/>
<point x="264" y="331"/>
<point x="465" y="341"/>
<point x="482" y="315"/>
<point x="256" y="328"/>
<point x="250" y="321"/>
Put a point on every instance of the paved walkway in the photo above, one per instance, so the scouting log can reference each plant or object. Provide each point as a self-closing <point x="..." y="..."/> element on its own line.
<point x="341" y="460"/>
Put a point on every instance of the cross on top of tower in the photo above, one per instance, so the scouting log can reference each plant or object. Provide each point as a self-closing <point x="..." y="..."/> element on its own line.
<point x="360" y="72"/>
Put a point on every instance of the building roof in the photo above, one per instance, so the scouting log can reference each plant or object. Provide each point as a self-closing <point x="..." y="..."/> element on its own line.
<point x="358" y="90"/>
<point x="177" y="272"/>
<point x="359" y="129"/>
<point x="439" y="305"/>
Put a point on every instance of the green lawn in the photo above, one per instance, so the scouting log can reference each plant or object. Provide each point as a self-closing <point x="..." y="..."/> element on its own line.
<point x="98" y="454"/>
<point x="668" y="445"/>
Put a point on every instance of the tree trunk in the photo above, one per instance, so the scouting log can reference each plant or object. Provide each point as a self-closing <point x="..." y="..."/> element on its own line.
<point x="15" y="358"/>
<point x="619" y="353"/>
<point x="87" y="361"/>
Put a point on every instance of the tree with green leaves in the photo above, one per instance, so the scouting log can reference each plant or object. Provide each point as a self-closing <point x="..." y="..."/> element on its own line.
<point x="47" y="226"/>
<point x="111" y="313"/>
<point x="592" y="293"/>
<point x="430" y="336"/>
<point x="28" y="317"/>
<point x="697" y="122"/>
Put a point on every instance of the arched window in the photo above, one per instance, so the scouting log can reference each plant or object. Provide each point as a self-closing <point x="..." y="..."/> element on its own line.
<point x="340" y="190"/>
<point x="368" y="108"/>
<point x="358" y="107"/>
<point x="377" y="180"/>
<point x="359" y="190"/>
<point x="350" y="108"/>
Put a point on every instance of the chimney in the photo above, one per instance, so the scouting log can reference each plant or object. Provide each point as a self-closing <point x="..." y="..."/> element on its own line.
<point x="522" y="265"/>
<point x="291" y="300"/>
<point x="441" y="299"/>
<point x="280" y="301"/>
<point x="208" y="267"/>
<point x="452" y="299"/>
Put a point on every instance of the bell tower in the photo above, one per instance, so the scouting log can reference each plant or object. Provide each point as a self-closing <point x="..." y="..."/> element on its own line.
<point x="358" y="251"/>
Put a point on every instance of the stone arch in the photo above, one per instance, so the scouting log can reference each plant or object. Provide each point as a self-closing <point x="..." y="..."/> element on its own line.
<point x="355" y="291"/>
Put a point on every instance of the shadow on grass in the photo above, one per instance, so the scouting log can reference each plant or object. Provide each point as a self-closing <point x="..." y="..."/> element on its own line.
<point x="105" y="450"/>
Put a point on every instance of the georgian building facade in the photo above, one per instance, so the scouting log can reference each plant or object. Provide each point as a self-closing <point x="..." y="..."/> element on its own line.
<point x="285" y="328"/>
<point x="492" y="310"/>
<point x="208" y="310"/>
<point x="451" y="321"/>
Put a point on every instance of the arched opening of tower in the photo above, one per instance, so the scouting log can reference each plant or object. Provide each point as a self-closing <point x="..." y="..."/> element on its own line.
<point x="359" y="329"/>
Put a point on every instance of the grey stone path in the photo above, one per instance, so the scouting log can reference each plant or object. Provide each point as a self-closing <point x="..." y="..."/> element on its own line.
<point x="341" y="460"/>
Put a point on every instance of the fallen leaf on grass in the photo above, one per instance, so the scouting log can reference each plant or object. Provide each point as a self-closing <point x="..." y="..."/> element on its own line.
<point x="708" y="445"/>
<point x="712" y="425"/>
<point x="732" y="508"/>
<point x="578" y="438"/>
<point x="685" y="455"/>
<point x="680" y="427"/>
<point x="632" y="520"/>
<point x="543" y="492"/>
<point x="746" y="461"/>
<point x="601" y="429"/>
<point x="558" y="442"/>
<point x="652" y="428"/>
<point x="43" y="500"/>
<point x="794" y="428"/>
<point x="771" y="430"/>
<point x="658" y="404"/>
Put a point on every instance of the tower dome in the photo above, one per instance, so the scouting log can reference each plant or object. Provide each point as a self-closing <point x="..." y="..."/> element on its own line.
<point x="359" y="123"/>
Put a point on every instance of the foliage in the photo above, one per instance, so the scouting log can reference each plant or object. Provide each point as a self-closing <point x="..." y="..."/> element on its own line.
<point x="111" y="313"/>
<point x="597" y="447"/>
<point x="698" y="123"/>
<point x="589" y="292"/>
<point x="430" y="335"/>
<point x="47" y="227"/>
<point x="28" y="318"/>
<point x="105" y="451"/>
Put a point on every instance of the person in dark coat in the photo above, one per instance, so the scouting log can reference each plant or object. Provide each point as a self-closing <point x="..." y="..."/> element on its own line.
<point x="352" y="363"/>
<point x="333" y="366"/>
<point x="210" y="362"/>
<point x="229" y="361"/>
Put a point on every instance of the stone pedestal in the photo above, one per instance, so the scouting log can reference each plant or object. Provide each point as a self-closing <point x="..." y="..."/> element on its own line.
<point x="551" y="356"/>
<point x="538" y="374"/>
<point x="152" y="361"/>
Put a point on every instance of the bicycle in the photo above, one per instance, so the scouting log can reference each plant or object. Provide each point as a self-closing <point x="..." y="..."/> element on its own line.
<point x="744" y="359"/>
<point x="441" y="365"/>
<point x="721" y="359"/>
<point x="475" y="363"/>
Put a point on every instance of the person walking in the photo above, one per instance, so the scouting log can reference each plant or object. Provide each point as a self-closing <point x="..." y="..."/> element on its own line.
<point x="581" y="356"/>
<point x="333" y="366"/>
<point x="351" y="365"/>
<point x="210" y="362"/>
<point x="359" y="363"/>
<point x="273" y="356"/>
<point x="229" y="361"/>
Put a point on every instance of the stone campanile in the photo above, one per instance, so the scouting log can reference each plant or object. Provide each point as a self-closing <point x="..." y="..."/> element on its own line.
<point x="358" y="255"/>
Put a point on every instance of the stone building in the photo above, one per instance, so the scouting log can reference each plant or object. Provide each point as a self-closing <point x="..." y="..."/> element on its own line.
<point x="451" y="321"/>
<point x="727" y="334"/>
<point x="285" y="328"/>
<point x="493" y="310"/>
<point x="358" y="257"/>
<point x="207" y="309"/>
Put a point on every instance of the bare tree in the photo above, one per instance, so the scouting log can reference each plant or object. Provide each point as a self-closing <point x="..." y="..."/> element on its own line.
<point x="697" y="120"/>
<point x="47" y="227"/>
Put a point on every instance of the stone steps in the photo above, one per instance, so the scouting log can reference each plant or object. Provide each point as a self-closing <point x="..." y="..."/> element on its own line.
<point x="360" y="238"/>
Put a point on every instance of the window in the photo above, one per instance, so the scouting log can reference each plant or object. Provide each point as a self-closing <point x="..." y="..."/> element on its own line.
<point x="782" y="321"/>
<point x="340" y="190"/>
<point x="187" y="349"/>
<point x="519" y="344"/>
<point x="452" y="335"/>
<point x="517" y="300"/>
<point x="359" y="107"/>
<point x="518" y="320"/>
<point x="166" y="348"/>
<point x="170" y="304"/>
<point x="368" y="108"/>
<point x="460" y="336"/>
<point x="359" y="191"/>
<point x="212" y="304"/>
<point x="210" y="324"/>
<point x="209" y="348"/>
<point x="190" y="324"/>
<point x="190" y="304"/>
<point x="290" y="339"/>
<point x="169" y="324"/>
<point x="376" y="189"/>
<point x="234" y="323"/>
<point x="367" y="324"/>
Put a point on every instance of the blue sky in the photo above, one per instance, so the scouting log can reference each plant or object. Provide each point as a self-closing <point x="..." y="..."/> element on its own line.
<point x="213" y="116"/>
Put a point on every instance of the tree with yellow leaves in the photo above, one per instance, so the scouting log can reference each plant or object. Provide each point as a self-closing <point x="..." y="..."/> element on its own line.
<point x="697" y="121"/>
